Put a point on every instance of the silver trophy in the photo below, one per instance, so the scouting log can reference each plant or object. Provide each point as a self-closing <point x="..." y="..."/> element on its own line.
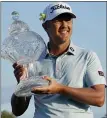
<point x="27" y="48"/>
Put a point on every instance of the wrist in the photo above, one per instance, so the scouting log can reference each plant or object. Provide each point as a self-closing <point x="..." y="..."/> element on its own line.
<point x="61" y="89"/>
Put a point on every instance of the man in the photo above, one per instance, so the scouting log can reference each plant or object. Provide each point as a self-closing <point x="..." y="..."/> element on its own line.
<point x="78" y="80"/>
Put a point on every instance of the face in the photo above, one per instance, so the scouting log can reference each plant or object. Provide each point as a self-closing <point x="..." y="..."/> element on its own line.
<point x="60" y="28"/>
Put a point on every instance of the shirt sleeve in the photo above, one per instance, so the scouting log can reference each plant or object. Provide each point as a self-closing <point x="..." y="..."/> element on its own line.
<point x="94" y="71"/>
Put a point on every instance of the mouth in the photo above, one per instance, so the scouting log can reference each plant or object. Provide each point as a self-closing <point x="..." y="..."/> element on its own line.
<point x="64" y="32"/>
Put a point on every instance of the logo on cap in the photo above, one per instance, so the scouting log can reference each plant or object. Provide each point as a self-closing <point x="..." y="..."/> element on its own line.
<point x="55" y="7"/>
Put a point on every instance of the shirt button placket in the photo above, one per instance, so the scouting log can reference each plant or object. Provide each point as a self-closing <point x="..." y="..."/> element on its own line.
<point x="58" y="68"/>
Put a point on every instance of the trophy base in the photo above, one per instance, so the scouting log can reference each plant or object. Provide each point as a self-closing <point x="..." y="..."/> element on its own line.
<point x="25" y="86"/>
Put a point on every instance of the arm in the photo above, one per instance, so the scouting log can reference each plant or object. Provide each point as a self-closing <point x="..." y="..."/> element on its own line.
<point x="19" y="104"/>
<point x="95" y="93"/>
<point x="93" y="96"/>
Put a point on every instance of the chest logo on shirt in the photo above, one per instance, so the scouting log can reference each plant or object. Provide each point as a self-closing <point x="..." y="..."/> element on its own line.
<point x="100" y="73"/>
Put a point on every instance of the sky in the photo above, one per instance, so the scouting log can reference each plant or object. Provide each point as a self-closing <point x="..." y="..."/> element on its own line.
<point x="89" y="31"/>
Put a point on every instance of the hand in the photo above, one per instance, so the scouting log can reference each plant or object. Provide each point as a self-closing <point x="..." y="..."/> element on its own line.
<point x="20" y="72"/>
<point x="53" y="87"/>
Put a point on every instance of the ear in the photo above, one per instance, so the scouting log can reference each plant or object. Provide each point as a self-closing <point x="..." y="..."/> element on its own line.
<point x="44" y="25"/>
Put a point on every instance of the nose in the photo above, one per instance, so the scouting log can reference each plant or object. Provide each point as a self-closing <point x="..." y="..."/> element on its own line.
<point x="64" y="23"/>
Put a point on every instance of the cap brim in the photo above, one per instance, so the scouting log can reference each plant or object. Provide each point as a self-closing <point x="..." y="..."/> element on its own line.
<point x="64" y="14"/>
<point x="71" y="14"/>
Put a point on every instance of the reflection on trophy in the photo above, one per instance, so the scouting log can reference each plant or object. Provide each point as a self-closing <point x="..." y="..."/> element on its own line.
<point x="27" y="48"/>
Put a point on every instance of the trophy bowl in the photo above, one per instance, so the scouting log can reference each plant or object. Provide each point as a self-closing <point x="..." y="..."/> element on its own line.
<point x="27" y="48"/>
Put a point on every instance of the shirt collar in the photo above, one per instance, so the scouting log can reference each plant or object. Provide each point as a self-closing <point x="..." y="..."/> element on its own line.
<point x="71" y="49"/>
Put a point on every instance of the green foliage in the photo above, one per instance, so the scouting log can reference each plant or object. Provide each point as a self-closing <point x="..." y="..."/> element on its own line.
<point x="6" y="114"/>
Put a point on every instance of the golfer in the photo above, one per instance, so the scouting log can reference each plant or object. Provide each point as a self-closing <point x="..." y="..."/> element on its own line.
<point x="78" y="80"/>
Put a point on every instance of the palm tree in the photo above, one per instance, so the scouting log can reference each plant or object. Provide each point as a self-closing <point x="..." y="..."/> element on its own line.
<point x="6" y="114"/>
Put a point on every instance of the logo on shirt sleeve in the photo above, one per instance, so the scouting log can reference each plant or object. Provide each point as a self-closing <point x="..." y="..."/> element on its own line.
<point x="100" y="73"/>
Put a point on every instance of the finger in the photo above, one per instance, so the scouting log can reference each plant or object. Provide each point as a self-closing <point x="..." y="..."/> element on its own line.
<point x="47" y="78"/>
<point x="19" y="69"/>
<point x="23" y="77"/>
<point x="18" y="74"/>
<point x="14" y="65"/>
<point x="39" y="90"/>
<point x="18" y="77"/>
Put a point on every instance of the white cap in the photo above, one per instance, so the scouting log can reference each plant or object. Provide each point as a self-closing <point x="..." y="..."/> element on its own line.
<point x="55" y="9"/>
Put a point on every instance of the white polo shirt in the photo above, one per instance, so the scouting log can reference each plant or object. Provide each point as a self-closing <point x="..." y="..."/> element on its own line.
<point x="76" y="68"/>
